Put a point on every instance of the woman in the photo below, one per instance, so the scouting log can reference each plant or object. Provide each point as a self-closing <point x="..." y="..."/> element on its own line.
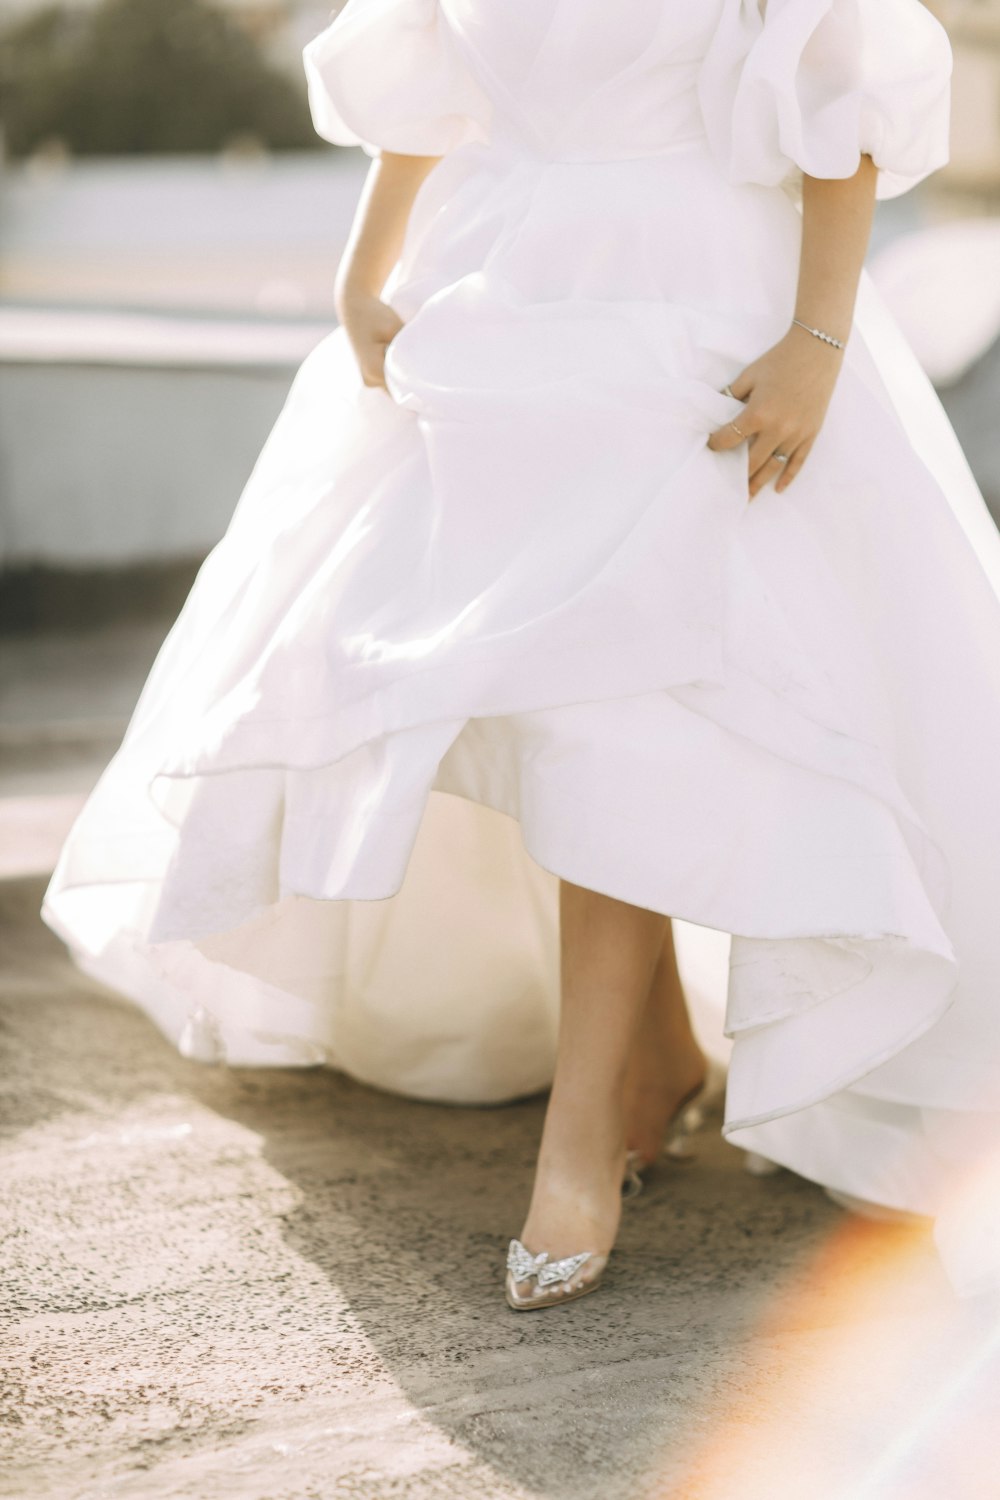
<point x="601" y="511"/>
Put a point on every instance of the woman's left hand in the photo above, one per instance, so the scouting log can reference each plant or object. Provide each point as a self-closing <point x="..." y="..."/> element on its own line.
<point x="786" y="394"/>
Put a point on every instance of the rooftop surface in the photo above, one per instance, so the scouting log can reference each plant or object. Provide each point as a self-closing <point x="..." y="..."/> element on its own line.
<point x="281" y="1285"/>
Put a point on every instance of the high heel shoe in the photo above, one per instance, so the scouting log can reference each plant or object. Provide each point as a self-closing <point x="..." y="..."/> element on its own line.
<point x="554" y="1278"/>
<point x="685" y="1122"/>
<point x="689" y="1116"/>
<point x="632" y="1181"/>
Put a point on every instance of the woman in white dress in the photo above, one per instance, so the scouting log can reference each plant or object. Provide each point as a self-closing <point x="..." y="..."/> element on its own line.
<point x="612" y="563"/>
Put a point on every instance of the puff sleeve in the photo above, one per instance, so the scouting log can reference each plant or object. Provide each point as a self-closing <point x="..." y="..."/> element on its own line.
<point x="389" y="75"/>
<point x="810" y="85"/>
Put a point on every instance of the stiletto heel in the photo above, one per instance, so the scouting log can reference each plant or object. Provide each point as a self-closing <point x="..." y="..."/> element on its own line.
<point x="632" y="1182"/>
<point x="689" y="1117"/>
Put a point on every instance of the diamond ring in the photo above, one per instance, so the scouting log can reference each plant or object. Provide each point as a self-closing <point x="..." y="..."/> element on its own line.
<point x="780" y="458"/>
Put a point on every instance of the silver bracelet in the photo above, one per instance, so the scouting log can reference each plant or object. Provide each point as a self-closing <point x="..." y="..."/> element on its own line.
<point x="818" y="333"/>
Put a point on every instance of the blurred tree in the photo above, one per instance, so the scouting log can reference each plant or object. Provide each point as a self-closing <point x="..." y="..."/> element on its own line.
<point x="143" y="76"/>
<point x="36" y="64"/>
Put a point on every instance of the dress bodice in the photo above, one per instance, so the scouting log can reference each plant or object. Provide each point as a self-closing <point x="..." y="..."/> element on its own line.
<point x="807" y="85"/>
<point x="587" y="78"/>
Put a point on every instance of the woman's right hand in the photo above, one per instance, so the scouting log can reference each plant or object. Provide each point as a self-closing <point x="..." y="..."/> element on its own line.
<point x="370" y="325"/>
<point x="373" y="247"/>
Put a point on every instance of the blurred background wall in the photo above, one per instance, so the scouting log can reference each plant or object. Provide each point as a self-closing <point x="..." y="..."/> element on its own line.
<point x="169" y="231"/>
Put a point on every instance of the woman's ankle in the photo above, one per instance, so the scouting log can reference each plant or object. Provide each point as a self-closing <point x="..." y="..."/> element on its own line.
<point x="581" y="1123"/>
<point x="666" y="1060"/>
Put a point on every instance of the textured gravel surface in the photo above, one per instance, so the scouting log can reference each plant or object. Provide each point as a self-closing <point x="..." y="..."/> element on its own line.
<point x="283" y="1284"/>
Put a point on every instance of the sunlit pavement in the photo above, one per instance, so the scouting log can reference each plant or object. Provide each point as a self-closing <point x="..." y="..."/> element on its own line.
<point x="285" y="1284"/>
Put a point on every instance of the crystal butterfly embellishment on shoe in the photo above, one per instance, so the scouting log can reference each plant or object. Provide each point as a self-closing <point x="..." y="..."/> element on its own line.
<point x="522" y="1264"/>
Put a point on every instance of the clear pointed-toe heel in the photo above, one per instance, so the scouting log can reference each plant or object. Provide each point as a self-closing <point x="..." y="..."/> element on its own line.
<point x="632" y="1181"/>
<point x="555" y="1281"/>
<point x="688" y="1118"/>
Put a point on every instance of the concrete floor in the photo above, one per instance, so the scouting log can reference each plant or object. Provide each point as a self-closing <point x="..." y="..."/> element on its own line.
<point x="285" y="1285"/>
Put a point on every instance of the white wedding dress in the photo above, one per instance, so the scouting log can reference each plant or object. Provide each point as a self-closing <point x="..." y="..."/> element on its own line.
<point x="515" y="620"/>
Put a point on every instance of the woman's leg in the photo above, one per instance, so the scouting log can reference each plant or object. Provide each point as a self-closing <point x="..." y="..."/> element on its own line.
<point x="666" y="1063"/>
<point x="609" y="954"/>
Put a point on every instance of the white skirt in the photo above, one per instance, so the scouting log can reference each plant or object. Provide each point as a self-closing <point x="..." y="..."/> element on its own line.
<point x="514" y="621"/>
